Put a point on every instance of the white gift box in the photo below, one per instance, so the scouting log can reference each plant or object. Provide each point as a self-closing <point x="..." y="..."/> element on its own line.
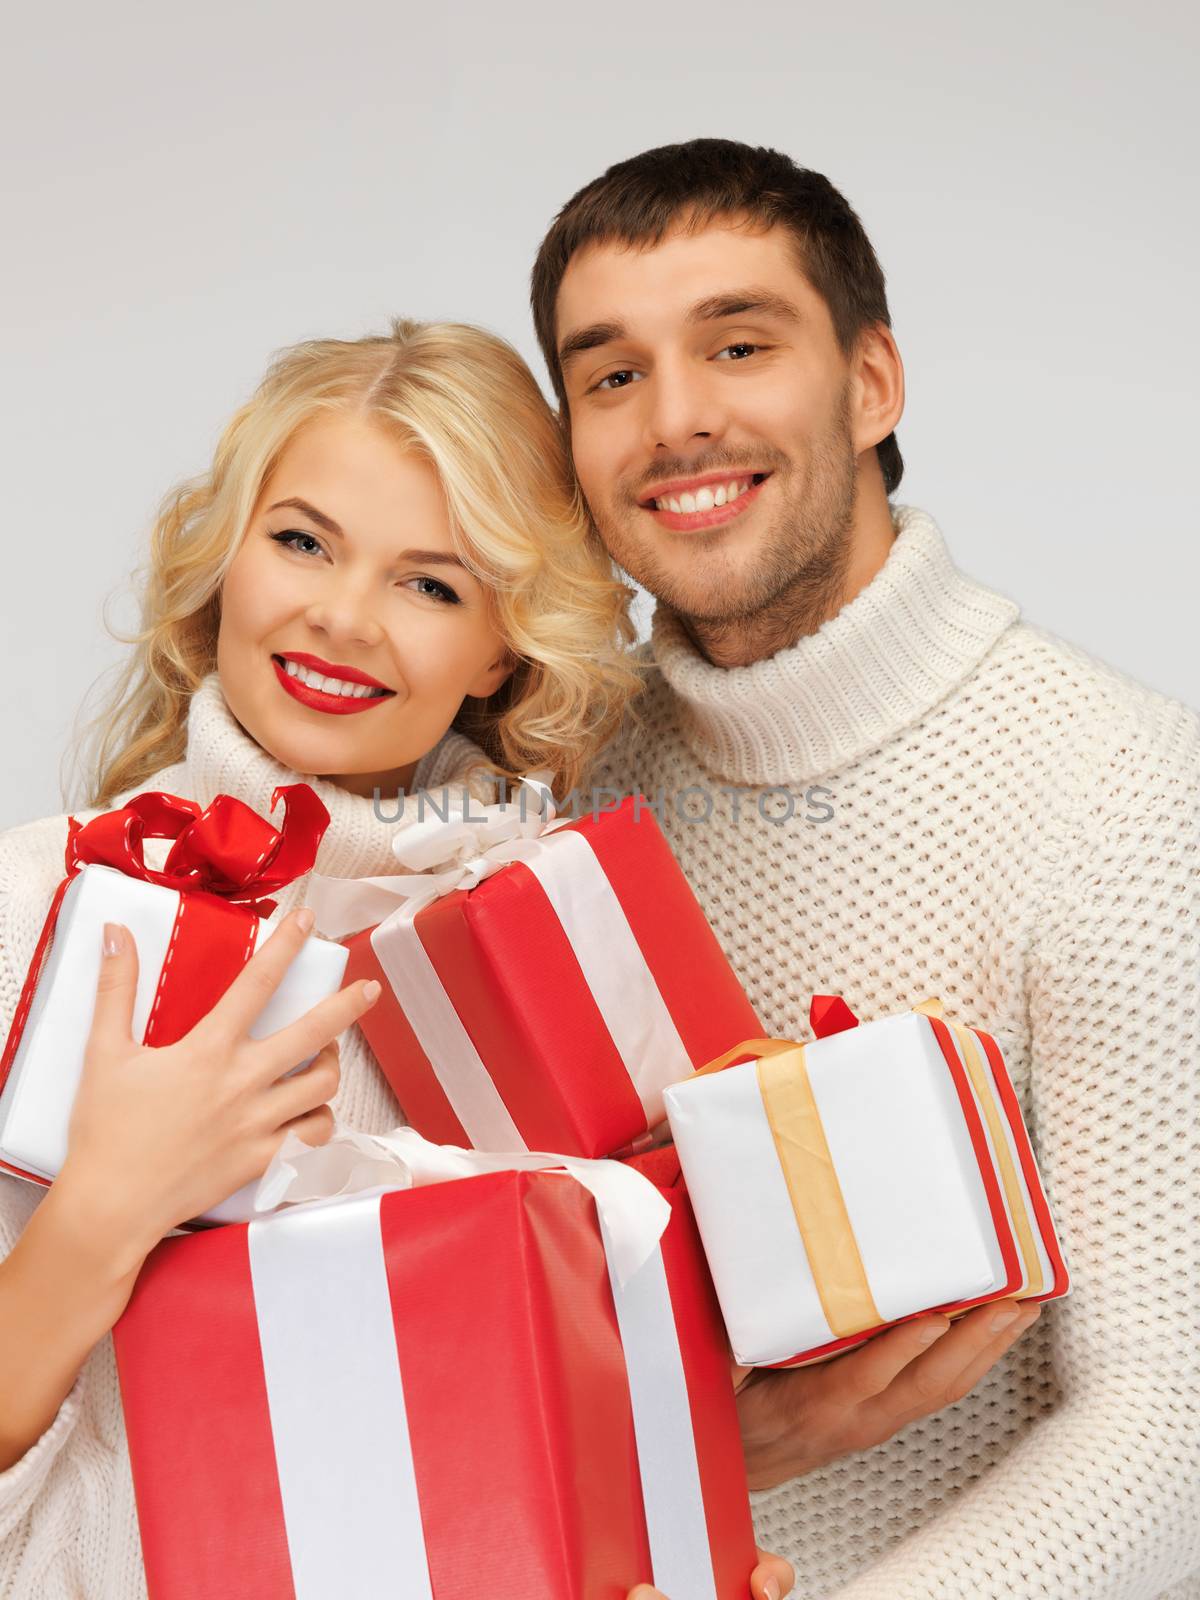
<point x="36" y="1101"/>
<point x="908" y="1176"/>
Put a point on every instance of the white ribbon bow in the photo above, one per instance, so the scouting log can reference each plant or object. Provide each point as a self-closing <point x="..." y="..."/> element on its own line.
<point x="443" y="855"/>
<point x="633" y="1212"/>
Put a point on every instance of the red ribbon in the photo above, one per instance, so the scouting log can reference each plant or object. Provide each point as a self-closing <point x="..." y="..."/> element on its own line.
<point x="828" y="1014"/>
<point x="225" y="848"/>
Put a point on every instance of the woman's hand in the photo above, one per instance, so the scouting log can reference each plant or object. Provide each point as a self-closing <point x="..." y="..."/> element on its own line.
<point x="158" y="1135"/>
<point x="771" y="1579"/>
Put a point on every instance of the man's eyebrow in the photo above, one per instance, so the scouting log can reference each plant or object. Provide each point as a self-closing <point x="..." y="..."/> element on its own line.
<point x="714" y="308"/>
<point x="743" y="302"/>
<point x="590" y="338"/>
<point x="426" y="558"/>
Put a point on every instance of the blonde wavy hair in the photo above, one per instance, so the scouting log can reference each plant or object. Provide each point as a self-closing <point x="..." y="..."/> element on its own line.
<point x="466" y="401"/>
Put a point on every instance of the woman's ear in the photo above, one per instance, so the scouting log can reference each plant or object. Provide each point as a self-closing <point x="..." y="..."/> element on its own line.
<point x="490" y="679"/>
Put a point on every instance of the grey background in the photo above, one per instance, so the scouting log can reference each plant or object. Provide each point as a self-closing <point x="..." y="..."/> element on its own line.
<point x="188" y="188"/>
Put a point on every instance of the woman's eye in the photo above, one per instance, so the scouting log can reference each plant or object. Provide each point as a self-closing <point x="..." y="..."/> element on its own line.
<point x="437" y="590"/>
<point x="286" y="539"/>
<point x="620" y="379"/>
<point x="742" y="348"/>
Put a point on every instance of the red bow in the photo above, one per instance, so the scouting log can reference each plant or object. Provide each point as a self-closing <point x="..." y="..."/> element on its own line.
<point x="224" y="849"/>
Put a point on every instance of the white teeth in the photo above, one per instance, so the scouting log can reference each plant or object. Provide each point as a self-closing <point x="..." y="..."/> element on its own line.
<point x="705" y="499"/>
<point x="337" y="686"/>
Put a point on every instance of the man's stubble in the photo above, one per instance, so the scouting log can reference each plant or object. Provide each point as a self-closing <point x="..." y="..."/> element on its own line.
<point x="796" y="580"/>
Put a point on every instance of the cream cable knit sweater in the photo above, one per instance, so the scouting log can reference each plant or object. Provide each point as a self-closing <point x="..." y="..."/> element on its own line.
<point x="68" y="1525"/>
<point x="1014" y="828"/>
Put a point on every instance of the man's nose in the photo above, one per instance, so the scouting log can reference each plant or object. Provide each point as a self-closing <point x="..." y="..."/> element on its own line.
<point x="683" y="410"/>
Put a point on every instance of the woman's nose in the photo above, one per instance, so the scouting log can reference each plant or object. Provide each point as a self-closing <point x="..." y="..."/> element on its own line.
<point x="343" y="619"/>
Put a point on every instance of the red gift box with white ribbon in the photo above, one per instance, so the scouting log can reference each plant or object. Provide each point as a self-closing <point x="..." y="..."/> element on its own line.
<point x="196" y="919"/>
<point x="543" y="981"/>
<point x="479" y="1387"/>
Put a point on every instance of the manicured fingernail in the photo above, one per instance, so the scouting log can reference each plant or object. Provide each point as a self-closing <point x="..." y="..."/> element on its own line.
<point x="305" y="918"/>
<point x="112" y="939"/>
<point x="1004" y="1319"/>
<point x="932" y="1330"/>
<point x="771" y="1590"/>
<point x="371" y="989"/>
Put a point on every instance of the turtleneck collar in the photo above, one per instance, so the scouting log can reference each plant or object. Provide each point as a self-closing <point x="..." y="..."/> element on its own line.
<point x="222" y="758"/>
<point x="905" y="641"/>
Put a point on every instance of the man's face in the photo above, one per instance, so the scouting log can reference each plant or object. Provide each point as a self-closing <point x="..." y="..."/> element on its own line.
<point x="710" y="415"/>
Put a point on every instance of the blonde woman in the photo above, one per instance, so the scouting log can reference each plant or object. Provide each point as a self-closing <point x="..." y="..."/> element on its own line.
<point x="385" y="581"/>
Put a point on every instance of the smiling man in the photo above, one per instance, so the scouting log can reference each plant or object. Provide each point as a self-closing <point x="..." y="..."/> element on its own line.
<point x="1007" y="823"/>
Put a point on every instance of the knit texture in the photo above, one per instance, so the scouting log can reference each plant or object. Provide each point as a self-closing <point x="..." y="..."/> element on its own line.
<point x="68" y="1523"/>
<point x="1009" y="824"/>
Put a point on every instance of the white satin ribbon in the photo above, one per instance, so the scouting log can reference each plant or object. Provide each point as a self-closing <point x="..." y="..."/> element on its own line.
<point x="336" y="1398"/>
<point x="464" y="852"/>
<point x="322" y="1302"/>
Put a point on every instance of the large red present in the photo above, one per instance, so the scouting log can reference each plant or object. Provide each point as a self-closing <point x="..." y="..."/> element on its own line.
<point x="195" y="921"/>
<point x="543" y="981"/>
<point x="468" y="1389"/>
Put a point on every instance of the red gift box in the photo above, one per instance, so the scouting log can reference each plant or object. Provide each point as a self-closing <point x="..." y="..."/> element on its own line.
<point x="549" y="1005"/>
<point x="436" y="1393"/>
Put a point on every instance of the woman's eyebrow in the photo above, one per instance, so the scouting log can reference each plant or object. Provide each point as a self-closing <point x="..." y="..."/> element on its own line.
<point x="433" y="558"/>
<point x="310" y="511"/>
<point x="428" y="558"/>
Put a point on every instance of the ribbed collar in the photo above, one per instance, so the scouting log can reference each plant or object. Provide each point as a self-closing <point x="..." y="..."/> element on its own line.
<point x="222" y="758"/>
<point x="904" y="642"/>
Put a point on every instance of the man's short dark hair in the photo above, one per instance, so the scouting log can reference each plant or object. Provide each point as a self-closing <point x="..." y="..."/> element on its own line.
<point x="637" y="201"/>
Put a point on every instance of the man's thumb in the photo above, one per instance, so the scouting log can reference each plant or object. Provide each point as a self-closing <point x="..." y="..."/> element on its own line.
<point x="116" y="988"/>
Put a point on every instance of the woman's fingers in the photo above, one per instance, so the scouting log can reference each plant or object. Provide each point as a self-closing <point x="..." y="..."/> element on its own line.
<point x="116" y="987"/>
<point x="304" y="1091"/>
<point x="316" y="1028"/>
<point x="315" y="1128"/>
<point x="772" y="1578"/>
<point x="245" y="998"/>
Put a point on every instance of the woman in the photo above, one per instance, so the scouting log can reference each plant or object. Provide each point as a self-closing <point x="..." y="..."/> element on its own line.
<point x="385" y="581"/>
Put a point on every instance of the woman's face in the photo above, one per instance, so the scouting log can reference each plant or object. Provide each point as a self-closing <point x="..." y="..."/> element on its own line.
<point x="348" y="572"/>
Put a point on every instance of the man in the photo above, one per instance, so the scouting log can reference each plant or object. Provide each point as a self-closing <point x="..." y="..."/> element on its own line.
<point x="882" y="784"/>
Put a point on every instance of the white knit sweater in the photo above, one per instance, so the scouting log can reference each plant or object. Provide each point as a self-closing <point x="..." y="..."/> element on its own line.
<point x="68" y="1526"/>
<point x="1014" y="829"/>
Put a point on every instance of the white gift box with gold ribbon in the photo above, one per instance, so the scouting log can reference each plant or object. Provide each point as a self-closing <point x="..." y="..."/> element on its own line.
<point x="873" y="1174"/>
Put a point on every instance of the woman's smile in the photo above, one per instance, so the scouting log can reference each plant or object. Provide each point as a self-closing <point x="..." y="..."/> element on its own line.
<point x="323" y="686"/>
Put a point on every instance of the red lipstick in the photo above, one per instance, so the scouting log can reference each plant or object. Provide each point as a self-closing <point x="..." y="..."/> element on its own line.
<point x="321" y="699"/>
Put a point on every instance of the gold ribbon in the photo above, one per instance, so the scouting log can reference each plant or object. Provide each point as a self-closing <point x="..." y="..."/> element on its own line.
<point x="986" y="1095"/>
<point x="812" y="1183"/>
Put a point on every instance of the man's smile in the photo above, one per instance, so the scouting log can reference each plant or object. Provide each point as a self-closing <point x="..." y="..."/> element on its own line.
<point x="704" y="501"/>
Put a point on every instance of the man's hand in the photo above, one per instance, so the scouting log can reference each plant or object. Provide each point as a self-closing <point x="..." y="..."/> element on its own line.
<point x="770" y="1580"/>
<point x="795" y="1421"/>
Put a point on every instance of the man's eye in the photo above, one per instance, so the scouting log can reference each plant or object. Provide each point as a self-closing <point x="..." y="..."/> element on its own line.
<point x="287" y="537"/>
<point x="620" y="379"/>
<point x="437" y="590"/>
<point x="737" y="352"/>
